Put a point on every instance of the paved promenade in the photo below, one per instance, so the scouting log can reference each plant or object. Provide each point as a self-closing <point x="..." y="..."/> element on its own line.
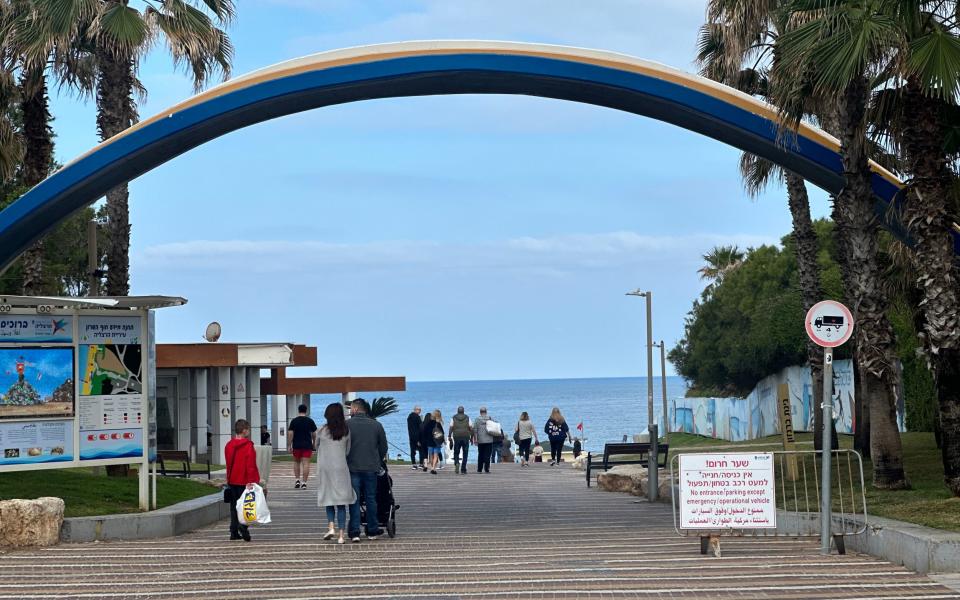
<point x="518" y="533"/>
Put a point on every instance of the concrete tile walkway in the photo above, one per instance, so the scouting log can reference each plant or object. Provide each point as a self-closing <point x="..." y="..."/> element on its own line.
<point x="515" y="533"/>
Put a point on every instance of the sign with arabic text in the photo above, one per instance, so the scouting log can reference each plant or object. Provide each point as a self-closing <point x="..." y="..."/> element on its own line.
<point x="727" y="491"/>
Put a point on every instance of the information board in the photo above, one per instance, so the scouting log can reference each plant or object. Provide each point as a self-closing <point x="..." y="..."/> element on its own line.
<point x="34" y="442"/>
<point x="727" y="491"/>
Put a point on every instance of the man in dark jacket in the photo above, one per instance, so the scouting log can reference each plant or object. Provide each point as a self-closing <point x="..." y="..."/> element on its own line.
<point x="413" y="431"/>
<point x="368" y="449"/>
<point x="460" y="434"/>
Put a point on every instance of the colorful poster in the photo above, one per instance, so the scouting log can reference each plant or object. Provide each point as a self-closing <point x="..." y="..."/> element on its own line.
<point x="36" y="442"/>
<point x="108" y="369"/>
<point x="36" y="382"/>
<point x="110" y="330"/>
<point x="727" y="491"/>
<point x="113" y="443"/>
<point x="32" y="329"/>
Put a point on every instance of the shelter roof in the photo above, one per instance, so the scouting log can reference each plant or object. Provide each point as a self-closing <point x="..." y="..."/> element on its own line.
<point x="225" y="354"/>
<point x="132" y="302"/>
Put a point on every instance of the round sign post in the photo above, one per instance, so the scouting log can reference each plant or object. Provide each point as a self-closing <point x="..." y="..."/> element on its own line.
<point x="829" y="324"/>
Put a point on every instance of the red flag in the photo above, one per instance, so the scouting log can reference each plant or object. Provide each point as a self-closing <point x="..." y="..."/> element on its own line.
<point x="580" y="426"/>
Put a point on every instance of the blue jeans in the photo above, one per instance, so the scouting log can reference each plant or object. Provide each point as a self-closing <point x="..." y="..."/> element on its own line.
<point x="339" y="514"/>
<point x="365" y="484"/>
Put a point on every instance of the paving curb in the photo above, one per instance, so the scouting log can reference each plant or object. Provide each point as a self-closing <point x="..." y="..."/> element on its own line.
<point x="166" y="522"/>
<point x="921" y="549"/>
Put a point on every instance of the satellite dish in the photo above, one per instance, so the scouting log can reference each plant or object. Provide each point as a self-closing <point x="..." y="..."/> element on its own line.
<point x="212" y="333"/>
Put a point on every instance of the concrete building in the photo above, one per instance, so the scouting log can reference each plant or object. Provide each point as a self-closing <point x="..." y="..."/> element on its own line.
<point x="202" y="389"/>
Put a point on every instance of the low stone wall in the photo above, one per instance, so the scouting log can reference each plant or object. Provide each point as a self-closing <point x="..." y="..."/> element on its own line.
<point x="30" y="522"/>
<point x="918" y="548"/>
<point x="633" y="479"/>
<point x="172" y="520"/>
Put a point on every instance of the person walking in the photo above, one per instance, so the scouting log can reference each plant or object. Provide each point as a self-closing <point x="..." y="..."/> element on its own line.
<point x="460" y="433"/>
<point x="302" y="438"/>
<point x="483" y="440"/>
<point x="434" y="439"/>
<point x="414" y="423"/>
<point x="242" y="473"/>
<point x="496" y="448"/>
<point x="426" y="440"/>
<point x="557" y="432"/>
<point x="333" y="476"/>
<point x="526" y="434"/>
<point x="368" y="448"/>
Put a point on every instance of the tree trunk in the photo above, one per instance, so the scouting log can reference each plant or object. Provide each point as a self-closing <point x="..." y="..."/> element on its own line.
<point x="116" y="111"/>
<point x="808" y="271"/>
<point x="856" y="228"/>
<point x="927" y="219"/>
<point x="861" y="431"/>
<point x="37" y="160"/>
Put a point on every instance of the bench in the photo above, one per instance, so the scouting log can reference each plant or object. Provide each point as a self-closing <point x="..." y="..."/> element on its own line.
<point x="179" y="459"/>
<point x="638" y="452"/>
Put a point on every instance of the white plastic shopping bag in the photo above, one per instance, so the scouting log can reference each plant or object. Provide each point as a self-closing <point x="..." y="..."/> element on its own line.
<point x="493" y="428"/>
<point x="252" y="507"/>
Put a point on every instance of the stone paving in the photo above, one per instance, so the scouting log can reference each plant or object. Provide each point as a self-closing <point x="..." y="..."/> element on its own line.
<point x="535" y="532"/>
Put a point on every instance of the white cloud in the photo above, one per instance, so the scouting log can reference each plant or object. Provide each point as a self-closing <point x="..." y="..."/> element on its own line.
<point x="664" y="31"/>
<point x="553" y="255"/>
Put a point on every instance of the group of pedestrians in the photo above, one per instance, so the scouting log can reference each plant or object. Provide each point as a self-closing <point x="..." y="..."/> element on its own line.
<point x="350" y="456"/>
<point x="428" y="437"/>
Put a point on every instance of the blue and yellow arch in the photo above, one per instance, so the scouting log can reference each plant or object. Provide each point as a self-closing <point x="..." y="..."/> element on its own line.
<point x="419" y="69"/>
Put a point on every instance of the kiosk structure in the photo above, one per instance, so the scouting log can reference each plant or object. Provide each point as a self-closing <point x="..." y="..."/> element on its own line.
<point x="78" y="383"/>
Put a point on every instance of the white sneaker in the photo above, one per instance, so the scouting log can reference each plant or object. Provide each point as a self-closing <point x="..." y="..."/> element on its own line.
<point x="329" y="535"/>
<point x="356" y="539"/>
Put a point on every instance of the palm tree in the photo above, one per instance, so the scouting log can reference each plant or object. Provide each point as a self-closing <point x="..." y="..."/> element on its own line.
<point x="925" y="72"/>
<point x="720" y="261"/>
<point x="832" y="48"/>
<point x="735" y="47"/>
<point x="117" y="36"/>
<point x="35" y="116"/>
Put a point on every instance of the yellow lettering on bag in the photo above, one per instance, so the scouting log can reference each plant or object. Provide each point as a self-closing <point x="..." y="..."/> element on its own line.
<point x="249" y="507"/>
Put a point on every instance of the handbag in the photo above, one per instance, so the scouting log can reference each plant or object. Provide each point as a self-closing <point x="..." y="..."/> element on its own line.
<point x="516" y="435"/>
<point x="437" y="435"/>
<point x="493" y="428"/>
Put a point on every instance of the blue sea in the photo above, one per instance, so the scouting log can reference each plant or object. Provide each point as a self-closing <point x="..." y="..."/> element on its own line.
<point x="609" y="408"/>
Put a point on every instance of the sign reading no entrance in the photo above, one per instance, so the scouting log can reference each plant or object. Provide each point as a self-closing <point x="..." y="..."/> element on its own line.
<point x="829" y="323"/>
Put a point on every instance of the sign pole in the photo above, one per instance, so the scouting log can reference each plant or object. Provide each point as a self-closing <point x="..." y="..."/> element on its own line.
<point x="829" y="324"/>
<point x="826" y="506"/>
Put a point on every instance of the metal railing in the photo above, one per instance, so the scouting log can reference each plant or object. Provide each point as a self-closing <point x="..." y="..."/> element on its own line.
<point x="797" y="497"/>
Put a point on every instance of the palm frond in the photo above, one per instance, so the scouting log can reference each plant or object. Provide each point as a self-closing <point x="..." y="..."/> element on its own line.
<point x="123" y="30"/>
<point x="383" y="406"/>
<point x="935" y="60"/>
<point x="757" y="173"/>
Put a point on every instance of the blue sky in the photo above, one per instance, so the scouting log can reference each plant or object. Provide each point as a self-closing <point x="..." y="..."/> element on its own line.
<point x="456" y="237"/>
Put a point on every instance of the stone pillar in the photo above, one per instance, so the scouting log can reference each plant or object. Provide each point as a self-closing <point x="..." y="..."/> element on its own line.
<point x="293" y="401"/>
<point x="252" y="401"/>
<point x="184" y="414"/>
<point x="238" y="398"/>
<point x="221" y="417"/>
<point x="279" y="430"/>
<point x="198" y="396"/>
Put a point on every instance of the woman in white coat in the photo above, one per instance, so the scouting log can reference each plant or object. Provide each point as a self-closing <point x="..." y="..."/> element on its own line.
<point x="333" y="477"/>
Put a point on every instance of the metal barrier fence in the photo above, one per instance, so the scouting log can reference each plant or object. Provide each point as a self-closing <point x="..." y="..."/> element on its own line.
<point x="797" y="497"/>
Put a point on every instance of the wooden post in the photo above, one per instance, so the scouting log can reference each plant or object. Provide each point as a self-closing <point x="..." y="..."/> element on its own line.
<point x="786" y="429"/>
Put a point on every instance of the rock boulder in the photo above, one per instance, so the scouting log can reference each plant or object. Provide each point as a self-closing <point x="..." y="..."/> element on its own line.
<point x="624" y="478"/>
<point x="30" y="522"/>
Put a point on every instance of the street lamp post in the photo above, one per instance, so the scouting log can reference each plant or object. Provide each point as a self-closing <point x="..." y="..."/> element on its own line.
<point x="652" y="483"/>
<point x="663" y="385"/>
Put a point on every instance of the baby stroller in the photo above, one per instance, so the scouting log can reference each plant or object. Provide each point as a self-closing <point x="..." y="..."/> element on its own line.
<point x="386" y="504"/>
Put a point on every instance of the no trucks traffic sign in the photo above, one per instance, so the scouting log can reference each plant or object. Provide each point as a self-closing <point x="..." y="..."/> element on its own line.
<point x="829" y="323"/>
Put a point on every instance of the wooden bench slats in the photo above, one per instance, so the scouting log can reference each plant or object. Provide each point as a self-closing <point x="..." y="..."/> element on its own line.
<point x="182" y="458"/>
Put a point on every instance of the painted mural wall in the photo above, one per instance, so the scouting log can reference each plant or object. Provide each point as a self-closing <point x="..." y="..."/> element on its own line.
<point x="756" y="416"/>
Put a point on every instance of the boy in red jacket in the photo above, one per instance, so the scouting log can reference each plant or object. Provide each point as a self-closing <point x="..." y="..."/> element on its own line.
<point x="242" y="473"/>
